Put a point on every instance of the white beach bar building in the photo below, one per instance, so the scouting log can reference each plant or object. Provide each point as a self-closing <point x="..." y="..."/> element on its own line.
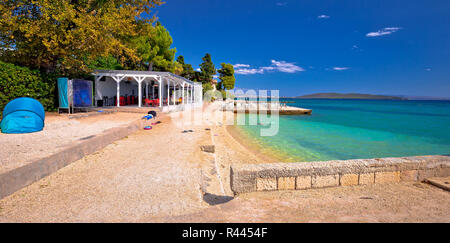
<point x="145" y="88"/>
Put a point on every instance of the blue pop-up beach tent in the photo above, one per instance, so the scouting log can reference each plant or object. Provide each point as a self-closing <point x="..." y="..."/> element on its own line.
<point x="23" y="115"/>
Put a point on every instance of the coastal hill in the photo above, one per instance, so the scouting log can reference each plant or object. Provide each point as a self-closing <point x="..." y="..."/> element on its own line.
<point x="348" y="96"/>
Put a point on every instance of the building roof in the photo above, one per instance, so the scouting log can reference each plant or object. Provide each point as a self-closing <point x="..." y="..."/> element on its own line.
<point x="132" y="73"/>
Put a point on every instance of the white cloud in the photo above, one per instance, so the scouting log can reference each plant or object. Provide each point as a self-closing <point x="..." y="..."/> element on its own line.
<point x="340" y="68"/>
<point x="247" y="71"/>
<point x="323" y="16"/>
<point x="198" y="70"/>
<point x="385" y="31"/>
<point x="241" y="65"/>
<point x="427" y="69"/>
<point x="392" y="28"/>
<point x="286" y="67"/>
<point x="279" y="66"/>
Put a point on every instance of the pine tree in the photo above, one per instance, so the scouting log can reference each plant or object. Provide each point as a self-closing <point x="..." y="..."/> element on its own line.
<point x="208" y="70"/>
<point x="226" y="76"/>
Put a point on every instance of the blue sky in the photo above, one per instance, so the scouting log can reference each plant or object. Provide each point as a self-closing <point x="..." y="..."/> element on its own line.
<point x="397" y="47"/>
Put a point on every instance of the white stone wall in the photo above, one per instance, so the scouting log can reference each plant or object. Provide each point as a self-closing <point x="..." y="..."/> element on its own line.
<point x="305" y="175"/>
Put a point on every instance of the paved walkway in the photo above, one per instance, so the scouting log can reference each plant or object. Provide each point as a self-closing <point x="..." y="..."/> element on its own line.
<point x="400" y="202"/>
<point x="131" y="179"/>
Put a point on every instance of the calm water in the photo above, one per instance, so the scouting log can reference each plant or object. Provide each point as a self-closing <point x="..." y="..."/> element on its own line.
<point x="349" y="129"/>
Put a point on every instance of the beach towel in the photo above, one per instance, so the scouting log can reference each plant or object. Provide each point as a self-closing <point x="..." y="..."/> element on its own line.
<point x="148" y="117"/>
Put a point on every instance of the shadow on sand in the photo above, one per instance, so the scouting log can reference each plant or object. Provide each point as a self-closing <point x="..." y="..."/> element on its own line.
<point x="212" y="199"/>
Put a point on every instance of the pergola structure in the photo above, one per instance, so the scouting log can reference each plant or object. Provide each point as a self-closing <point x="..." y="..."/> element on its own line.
<point x="164" y="82"/>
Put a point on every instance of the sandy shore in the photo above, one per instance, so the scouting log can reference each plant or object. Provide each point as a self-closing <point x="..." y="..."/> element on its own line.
<point x="59" y="132"/>
<point x="162" y="175"/>
<point x="148" y="174"/>
<point x="266" y="154"/>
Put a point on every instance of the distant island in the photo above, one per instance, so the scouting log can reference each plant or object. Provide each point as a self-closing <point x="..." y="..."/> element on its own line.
<point x="349" y="96"/>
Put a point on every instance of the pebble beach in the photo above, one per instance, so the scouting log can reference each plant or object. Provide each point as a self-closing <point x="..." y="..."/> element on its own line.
<point x="162" y="175"/>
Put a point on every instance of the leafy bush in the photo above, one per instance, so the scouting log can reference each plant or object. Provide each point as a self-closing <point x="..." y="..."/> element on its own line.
<point x="206" y="87"/>
<point x="18" y="82"/>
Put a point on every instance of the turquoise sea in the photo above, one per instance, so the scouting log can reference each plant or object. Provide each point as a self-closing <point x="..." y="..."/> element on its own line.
<point x="350" y="129"/>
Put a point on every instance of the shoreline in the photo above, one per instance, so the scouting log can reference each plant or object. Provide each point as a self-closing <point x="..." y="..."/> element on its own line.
<point x="265" y="153"/>
<point x="249" y="145"/>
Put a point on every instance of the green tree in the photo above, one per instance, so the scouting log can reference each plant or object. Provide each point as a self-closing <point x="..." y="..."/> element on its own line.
<point x="63" y="36"/>
<point x="102" y="62"/>
<point x="154" y="48"/>
<point x="206" y="87"/>
<point x="197" y="76"/>
<point x="188" y="71"/>
<point x="177" y="68"/>
<point x="226" y="76"/>
<point x="207" y="69"/>
<point x="180" y="59"/>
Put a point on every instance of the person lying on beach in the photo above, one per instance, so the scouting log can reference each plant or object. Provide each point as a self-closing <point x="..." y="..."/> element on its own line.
<point x="153" y="113"/>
